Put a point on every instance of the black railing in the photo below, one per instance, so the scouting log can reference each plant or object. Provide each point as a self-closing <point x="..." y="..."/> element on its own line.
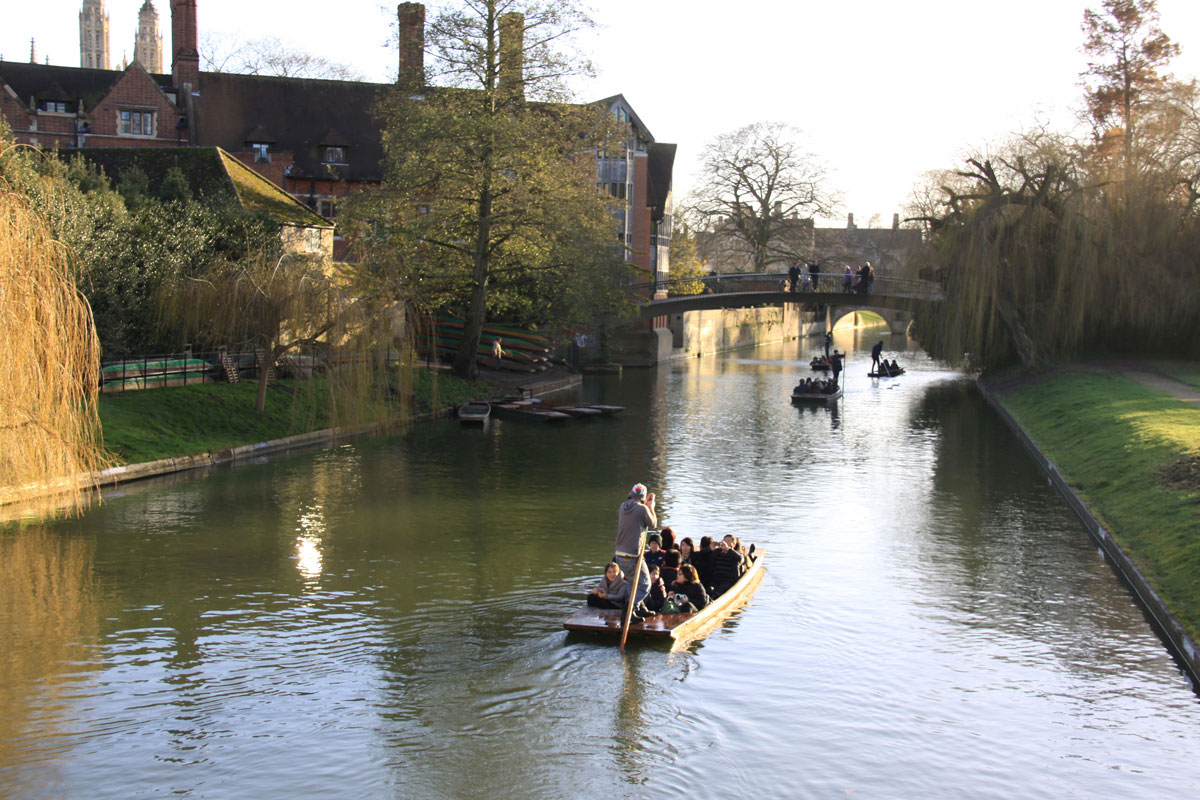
<point x="774" y="282"/>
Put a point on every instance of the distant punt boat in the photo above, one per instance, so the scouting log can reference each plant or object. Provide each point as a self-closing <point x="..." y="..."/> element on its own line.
<point x="816" y="397"/>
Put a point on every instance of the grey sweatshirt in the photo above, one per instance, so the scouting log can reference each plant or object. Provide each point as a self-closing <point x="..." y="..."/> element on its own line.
<point x="633" y="518"/>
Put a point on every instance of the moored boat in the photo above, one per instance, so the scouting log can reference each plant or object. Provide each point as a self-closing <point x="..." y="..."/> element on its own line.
<point x="525" y="410"/>
<point x="474" y="412"/>
<point x="680" y="627"/>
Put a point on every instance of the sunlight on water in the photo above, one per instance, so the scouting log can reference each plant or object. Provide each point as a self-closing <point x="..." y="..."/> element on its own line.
<point x="383" y="619"/>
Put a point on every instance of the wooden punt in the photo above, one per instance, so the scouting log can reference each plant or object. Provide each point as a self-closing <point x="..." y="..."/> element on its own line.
<point x="680" y="627"/>
<point x="820" y="364"/>
<point x="889" y="374"/>
<point x="816" y="397"/>
<point x="525" y="411"/>
<point x="474" y="412"/>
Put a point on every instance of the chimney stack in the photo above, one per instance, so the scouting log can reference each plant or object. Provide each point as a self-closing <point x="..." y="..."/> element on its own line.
<point x="412" y="46"/>
<point x="512" y="54"/>
<point x="778" y="209"/>
<point x="185" y="63"/>
<point x="850" y="221"/>
<point x="895" y="222"/>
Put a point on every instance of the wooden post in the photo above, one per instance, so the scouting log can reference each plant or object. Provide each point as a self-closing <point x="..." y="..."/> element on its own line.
<point x="637" y="573"/>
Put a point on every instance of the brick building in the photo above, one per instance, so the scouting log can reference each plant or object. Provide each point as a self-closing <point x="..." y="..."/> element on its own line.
<point x="316" y="139"/>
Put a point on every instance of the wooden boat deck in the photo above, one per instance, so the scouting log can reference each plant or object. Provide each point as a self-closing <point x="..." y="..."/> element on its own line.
<point x="680" y="627"/>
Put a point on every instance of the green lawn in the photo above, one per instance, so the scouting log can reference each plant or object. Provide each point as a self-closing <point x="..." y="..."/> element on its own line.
<point x="150" y="424"/>
<point x="1134" y="455"/>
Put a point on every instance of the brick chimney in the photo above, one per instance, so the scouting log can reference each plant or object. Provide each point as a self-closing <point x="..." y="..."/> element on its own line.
<point x="512" y="54"/>
<point x="850" y="222"/>
<point x="185" y="61"/>
<point x="895" y="222"/>
<point x="412" y="46"/>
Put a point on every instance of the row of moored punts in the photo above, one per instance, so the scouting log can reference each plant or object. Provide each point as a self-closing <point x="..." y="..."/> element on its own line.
<point x="533" y="409"/>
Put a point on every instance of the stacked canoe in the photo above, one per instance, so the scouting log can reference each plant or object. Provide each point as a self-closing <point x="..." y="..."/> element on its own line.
<point x="524" y="350"/>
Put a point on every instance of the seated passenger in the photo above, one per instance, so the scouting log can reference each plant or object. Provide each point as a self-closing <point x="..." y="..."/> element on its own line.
<point x="654" y="553"/>
<point x="612" y="591"/>
<point x="687" y="549"/>
<point x="668" y="539"/>
<point x="688" y="584"/>
<point x="658" y="592"/>
<point x="726" y="568"/>
<point x="670" y="567"/>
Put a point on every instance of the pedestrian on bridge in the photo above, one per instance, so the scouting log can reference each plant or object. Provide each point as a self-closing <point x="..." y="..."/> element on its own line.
<point x="794" y="275"/>
<point x="848" y="280"/>
<point x="815" y="271"/>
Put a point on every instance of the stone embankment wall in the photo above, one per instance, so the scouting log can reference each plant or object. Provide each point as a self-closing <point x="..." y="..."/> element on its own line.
<point x="700" y="333"/>
<point x="1180" y="644"/>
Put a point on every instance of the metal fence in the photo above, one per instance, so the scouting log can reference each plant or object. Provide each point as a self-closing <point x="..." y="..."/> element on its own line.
<point x="177" y="369"/>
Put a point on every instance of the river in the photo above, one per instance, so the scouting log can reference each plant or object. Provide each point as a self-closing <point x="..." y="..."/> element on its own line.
<point x="383" y="619"/>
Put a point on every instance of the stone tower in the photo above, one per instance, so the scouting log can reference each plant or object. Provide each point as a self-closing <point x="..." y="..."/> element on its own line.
<point x="93" y="35"/>
<point x="147" y="47"/>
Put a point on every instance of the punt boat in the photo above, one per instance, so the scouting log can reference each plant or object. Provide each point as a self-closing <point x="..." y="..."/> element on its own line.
<point x="679" y="627"/>
<point x="474" y="412"/>
<point x="816" y="397"/>
<point x="891" y="373"/>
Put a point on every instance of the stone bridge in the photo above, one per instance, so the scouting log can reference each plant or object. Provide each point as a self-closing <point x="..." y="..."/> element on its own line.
<point x="894" y="299"/>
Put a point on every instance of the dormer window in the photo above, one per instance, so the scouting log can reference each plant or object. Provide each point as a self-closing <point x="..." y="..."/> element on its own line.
<point x="53" y="107"/>
<point x="262" y="152"/>
<point x="334" y="155"/>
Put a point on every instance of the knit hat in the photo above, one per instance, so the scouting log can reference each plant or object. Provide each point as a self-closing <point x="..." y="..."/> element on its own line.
<point x="638" y="491"/>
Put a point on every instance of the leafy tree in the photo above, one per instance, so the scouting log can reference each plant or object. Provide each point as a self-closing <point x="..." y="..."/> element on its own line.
<point x="1126" y="51"/>
<point x="685" y="260"/>
<point x="755" y="178"/>
<point x="489" y="201"/>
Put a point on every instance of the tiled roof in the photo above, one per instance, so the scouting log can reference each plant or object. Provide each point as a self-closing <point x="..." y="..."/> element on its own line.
<point x="300" y="113"/>
<point x="47" y="82"/>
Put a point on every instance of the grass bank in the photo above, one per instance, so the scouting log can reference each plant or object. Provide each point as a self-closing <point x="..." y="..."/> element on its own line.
<point x="1133" y="454"/>
<point x="150" y="424"/>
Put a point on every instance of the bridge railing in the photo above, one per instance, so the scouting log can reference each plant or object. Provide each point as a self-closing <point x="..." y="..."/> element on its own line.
<point x="828" y="283"/>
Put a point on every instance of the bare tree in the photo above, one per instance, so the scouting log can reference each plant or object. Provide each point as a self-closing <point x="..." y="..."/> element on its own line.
<point x="752" y="181"/>
<point x="269" y="56"/>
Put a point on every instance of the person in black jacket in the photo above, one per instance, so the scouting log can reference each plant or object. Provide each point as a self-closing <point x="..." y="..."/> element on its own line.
<point x="725" y="569"/>
<point x="688" y="585"/>
<point x="702" y="559"/>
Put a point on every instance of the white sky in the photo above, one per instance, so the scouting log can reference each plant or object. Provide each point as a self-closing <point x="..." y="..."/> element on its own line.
<point x="882" y="90"/>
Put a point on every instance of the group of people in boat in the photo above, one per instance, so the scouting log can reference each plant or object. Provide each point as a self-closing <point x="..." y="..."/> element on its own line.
<point x="815" y="386"/>
<point x="676" y="576"/>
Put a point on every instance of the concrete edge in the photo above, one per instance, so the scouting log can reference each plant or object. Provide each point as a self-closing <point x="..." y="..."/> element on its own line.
<point x="1178" y="642"/>
<point x="152" y="469"/>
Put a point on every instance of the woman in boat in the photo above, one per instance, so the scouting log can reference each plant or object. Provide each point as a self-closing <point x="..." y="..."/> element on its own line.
<point x="687" y="549"/>
<point x="688" y="584"/>
<point x="735" y="544"/>
<point x="702" y="559"/>
<point x="668" y="539"/>
<point x="612" y="591"/>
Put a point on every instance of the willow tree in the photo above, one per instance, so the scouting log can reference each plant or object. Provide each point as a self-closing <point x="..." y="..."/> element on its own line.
<point x="489" y="196"/>
<point x="49" y="427"/>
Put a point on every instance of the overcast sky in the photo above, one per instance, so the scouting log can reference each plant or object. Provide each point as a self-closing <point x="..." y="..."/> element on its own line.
<point x="881" y="90"/>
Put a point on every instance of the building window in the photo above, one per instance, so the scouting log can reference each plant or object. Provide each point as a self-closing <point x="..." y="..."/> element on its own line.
<point x="262" y="153"/>
<point x="327" y="209"/>
<point x="54" y="107"/>
<point x="137" y="123"/>
<point x="422" y="209"/>
<point x="312" y="240"/>
<point x="334" y="155"/>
